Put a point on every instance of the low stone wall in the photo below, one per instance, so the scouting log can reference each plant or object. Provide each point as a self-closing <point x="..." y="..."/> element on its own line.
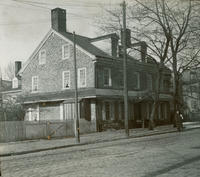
<point x="29" y="130"/>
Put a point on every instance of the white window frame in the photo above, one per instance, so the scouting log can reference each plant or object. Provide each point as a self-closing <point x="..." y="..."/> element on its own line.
<point x="79" y="84"/>
<point x="109" y="77"/>
<point x="42" y="62"/>
<point x="33" y="77"/>
<point x="63" y="51"/>
<point x="138" y="80"/>
<point x="63" y="76"/>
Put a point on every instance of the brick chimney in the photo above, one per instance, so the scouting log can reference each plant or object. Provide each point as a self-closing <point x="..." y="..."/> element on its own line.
<point x="58" y="19"/>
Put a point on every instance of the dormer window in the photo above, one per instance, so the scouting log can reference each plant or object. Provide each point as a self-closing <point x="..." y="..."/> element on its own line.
<point x="65" y="51"/>
<point x="15" y="83"/>
<point x="42" y="57"/>
<point x="66" y="79"/>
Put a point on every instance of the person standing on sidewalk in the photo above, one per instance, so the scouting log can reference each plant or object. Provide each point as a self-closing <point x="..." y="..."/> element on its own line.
<point x="179" y="121"/>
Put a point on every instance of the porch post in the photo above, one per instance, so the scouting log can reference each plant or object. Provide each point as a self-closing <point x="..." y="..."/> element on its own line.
<point x="93" y="114"/>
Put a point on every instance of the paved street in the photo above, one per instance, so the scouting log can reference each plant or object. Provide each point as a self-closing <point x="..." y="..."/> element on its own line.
<point x="167" y="155"/>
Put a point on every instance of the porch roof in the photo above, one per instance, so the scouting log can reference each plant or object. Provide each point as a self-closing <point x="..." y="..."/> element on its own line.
<point x="55" y="96"/>
<point x="68" y="95"/>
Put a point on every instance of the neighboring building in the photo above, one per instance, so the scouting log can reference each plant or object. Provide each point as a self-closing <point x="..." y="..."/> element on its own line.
<point x="48" y="80"/>
<point x="10" y="92"/>
<point x="191" y="93"/>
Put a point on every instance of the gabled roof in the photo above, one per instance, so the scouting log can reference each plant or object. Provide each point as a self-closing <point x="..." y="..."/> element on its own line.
<point x="83" y="43"/>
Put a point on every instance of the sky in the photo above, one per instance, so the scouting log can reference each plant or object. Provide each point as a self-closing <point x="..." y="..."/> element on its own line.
<point x="24" y="23"/>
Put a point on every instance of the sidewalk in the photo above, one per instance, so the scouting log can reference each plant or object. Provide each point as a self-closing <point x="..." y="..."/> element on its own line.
<point x="191" y="125"/>
<point x="25" y="147"/>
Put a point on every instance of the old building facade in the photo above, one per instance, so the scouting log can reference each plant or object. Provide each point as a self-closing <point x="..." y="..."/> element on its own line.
<point x="191" y="94"/>
<point x="48" y="81"/>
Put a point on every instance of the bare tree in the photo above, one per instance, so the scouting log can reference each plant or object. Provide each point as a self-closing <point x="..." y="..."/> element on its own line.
<point x="171" y="30"/>
<point x="9" y="71"/>
<point x="11" y="110"/>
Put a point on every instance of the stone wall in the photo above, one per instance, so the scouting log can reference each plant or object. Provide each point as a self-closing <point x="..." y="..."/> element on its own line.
<point x="50" y="73"/>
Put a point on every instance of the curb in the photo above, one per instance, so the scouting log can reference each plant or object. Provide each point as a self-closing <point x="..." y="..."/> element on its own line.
<point x="82" y="144"/>
<point x="191" y="128"/>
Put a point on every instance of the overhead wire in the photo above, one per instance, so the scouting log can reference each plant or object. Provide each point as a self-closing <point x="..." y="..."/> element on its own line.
<point x="74" y="3"/>
<point x="35" y="4"/>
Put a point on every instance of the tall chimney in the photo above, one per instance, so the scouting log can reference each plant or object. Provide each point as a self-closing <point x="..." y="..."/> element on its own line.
<point x="58" y="19"/>
<point x="18" y="65"/>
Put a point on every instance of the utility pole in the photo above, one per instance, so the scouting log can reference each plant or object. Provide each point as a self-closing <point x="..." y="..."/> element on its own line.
<point x="126" y="117"/>
<point x="76" y="121"/>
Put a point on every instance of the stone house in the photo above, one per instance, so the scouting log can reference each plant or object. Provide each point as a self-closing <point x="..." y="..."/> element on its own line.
<point x="48" y="80"/>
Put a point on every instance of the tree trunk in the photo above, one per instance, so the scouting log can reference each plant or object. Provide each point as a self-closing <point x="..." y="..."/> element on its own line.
<point x="156" y="97"/>
<point x="151" y="120"/>
<point x="177" y="104"/>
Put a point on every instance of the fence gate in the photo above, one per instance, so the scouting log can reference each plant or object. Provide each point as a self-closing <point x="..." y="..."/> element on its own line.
<point x="59" y="129"/>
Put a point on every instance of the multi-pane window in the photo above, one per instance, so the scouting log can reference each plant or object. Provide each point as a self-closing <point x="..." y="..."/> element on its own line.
<point x="42" y="57"/>
<point x="82" y="77"/>
<point x="65" y="51"/>
<point x="136" y="80"/>
<point x="107" y="77"/>
<point x="35" y="83"/>
<point x="66" y="79"/>
<point x="149" y="82"/>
